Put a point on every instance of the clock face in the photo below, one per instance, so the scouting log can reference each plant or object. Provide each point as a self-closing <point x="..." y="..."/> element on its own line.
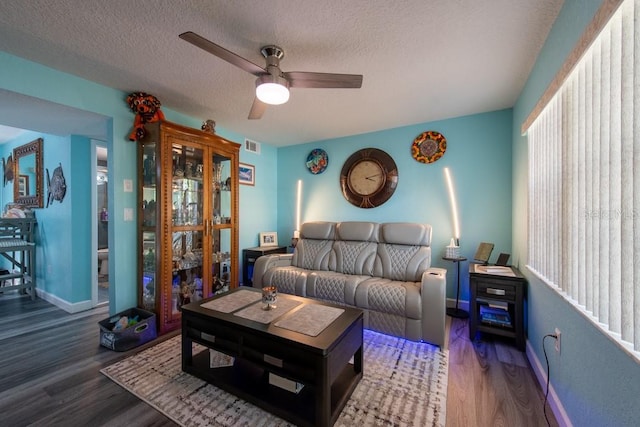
<point x="368" y="178"/>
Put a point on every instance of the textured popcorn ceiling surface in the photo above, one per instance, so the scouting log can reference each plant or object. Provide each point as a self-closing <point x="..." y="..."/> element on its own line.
<point x="422" y="60"/>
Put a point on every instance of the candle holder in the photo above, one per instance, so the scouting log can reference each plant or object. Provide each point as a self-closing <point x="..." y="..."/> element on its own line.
<point x="269" y="297"/>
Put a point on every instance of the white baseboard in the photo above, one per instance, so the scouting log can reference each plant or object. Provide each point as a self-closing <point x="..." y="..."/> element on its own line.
<point x="540" y="371"/>
<point x="64" y="305"/>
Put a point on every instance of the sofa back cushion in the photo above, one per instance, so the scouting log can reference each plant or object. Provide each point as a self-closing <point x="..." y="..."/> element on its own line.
<point x="355" y="247"/>
<point x="314" y="248"/>
<point x="395" y="251"/>
<point x="404" y="251"/>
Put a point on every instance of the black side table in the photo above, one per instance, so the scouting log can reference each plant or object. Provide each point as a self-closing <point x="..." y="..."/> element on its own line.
<point x="451" y="311"/>
<point x="249" y="257"/>
<point x="505" y="290"/>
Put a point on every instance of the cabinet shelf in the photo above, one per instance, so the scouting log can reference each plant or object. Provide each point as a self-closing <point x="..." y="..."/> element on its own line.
<point x="222" y="226"/>
<point x="186" y="178"/>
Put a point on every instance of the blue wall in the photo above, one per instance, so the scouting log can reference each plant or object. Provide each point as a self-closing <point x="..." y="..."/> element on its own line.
<point x="597" y="383"/>
<point x="478" y="156"/>
<point x="64" y="255"/>
<point x="63" y="233"/>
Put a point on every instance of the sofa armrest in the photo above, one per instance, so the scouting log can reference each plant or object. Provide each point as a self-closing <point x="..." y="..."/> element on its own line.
<point x="434" y="305"/>
<point x="267" y="262"/>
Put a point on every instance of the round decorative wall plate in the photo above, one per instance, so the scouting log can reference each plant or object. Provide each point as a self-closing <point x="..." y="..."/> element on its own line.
<point x="317" y="161"/>
<point x="428" y="147"/>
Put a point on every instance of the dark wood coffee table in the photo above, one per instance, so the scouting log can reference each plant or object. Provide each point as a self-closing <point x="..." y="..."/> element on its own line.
<point x="260" y="350"/>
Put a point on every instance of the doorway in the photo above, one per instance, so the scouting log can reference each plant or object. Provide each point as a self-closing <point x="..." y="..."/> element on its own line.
<point x="101" y="224"/>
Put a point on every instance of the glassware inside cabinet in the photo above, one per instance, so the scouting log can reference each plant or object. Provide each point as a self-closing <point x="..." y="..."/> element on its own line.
<point x="221" y="200"/>
<point x="148" y="270"/>
<point x="187" y="268"/>
<point x="149" y="165"/>
<point x="149" y="195"/>
<point x="149" y="207"/>
<point x="187" y="202"/>
<point x="187" y="185"/>
<point x="221" y="263"/>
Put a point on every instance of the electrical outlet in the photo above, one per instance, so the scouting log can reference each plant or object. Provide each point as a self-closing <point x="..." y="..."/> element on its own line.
<point x="558" y="340"/>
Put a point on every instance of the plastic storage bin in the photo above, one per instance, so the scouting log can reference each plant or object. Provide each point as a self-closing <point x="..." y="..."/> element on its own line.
<point x="131" y="337"/>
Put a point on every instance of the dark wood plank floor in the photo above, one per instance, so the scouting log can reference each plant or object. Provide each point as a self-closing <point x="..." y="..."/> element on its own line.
<point x="50" y="365"/>
<point x="50" y="370"/>
<point x="491" y="384"/>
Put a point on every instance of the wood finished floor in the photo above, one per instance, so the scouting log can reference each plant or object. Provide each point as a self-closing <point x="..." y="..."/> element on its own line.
<point x="50" y="365"/>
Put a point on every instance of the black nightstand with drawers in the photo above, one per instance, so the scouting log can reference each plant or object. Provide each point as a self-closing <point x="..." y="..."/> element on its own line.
<point x="249" y="257"/>
<point x="497" y="302"/>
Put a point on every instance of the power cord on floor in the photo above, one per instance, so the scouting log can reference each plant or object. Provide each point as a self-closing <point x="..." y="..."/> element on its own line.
<point x="546" y="393"/>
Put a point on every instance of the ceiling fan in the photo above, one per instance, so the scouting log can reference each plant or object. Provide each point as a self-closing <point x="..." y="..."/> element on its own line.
<point x="272" y="85"/>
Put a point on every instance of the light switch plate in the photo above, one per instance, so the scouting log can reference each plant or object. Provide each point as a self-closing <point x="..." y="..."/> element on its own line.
<point x="128" y="186"/>
<point x="128" y="214"/>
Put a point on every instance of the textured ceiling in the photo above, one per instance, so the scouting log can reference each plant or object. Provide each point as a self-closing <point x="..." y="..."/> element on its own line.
<point x="421" y="60"/>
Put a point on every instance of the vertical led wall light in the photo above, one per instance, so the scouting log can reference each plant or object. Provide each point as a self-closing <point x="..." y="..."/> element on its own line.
<point x="296" y="232"/>
<point x="453" y="250"/>
<point x="454" y="206"/>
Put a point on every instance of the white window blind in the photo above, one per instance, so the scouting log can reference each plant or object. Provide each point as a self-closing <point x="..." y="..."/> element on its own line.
<point x="584" y="183"/>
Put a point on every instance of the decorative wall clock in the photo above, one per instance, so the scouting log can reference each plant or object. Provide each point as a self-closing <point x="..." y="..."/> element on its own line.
<point x="428" y="147"/>
<point x="368" y="178"/>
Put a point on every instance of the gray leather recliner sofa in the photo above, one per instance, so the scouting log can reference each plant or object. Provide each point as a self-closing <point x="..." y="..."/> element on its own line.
<point x="383" y="269"/>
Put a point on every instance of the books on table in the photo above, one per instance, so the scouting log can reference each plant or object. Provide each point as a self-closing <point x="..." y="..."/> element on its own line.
<point x="495" y="315"/>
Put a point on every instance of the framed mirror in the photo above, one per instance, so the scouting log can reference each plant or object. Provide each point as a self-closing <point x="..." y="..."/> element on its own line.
<point x="27" y="172"/>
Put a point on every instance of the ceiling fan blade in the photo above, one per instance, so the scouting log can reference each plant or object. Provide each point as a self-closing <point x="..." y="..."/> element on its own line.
<point x="222" y="53"/>
<point x="303" y="79"/>
<point x="257" y="109"/>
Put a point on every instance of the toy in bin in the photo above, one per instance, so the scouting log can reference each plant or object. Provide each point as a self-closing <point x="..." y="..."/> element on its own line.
<point x="128" y="329"/>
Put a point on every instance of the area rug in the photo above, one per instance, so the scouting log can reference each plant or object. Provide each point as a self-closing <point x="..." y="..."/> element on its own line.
<point x="404" y="384"/>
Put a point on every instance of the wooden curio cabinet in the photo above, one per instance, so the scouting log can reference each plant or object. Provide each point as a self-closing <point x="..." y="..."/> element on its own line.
<point x="187" y="218"/>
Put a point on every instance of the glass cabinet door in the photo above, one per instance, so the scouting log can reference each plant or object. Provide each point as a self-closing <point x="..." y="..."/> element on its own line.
<point x="222" y="223"/>
<point x="187" y="225"/>
<point x="149" y="212"/>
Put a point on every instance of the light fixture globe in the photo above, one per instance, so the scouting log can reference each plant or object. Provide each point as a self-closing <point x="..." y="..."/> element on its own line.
<point x="273" y="90"/>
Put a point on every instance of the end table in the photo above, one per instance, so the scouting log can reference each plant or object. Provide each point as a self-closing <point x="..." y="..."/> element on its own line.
<point x="451" y="311"/>
<point x="249" y="257"/>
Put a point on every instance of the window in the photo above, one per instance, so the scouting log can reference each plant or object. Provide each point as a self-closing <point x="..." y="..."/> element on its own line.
<point x="584" y="183"/>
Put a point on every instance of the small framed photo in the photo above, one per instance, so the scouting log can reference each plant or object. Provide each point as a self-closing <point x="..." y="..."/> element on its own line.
<point x="247" y="174"/>
<point x="269" y="238"/>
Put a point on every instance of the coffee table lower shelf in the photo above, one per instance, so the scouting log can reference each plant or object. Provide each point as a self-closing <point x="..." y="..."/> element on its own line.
<point x="250" y="382"/>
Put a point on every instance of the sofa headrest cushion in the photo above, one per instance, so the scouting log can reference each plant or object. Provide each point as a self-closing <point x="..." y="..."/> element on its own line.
<point x="405" y="233"/>
<point x="360" y="231"/>
<point x="318" y="230"/>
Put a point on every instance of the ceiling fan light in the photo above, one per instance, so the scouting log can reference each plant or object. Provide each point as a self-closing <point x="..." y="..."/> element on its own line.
<point x="273" y="90"/>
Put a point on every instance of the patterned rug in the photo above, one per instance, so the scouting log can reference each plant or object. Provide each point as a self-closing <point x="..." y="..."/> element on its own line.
<point x="404" y="384"/>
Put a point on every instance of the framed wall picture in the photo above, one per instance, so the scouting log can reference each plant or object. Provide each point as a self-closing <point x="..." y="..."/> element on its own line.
<point x="247" y="174"/>
<point x="269" y="238"/>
